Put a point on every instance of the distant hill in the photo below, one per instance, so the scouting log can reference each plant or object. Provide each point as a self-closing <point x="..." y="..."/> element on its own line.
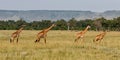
<point x="36" y="15"/>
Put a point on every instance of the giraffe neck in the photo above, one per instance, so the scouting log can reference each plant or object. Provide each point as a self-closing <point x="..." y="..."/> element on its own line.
<point x="85" y="30"/>
<point x="20" y="30"/>
<point x="48" y="29"/>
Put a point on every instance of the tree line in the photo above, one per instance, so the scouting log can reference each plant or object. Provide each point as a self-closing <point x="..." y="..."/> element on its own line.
<point x="72" y="24"/>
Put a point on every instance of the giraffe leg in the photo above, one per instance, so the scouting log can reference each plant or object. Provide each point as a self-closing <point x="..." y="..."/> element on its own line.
<point x="100" y="41"/>
<point x="45" y="40"/>
<point x="97" y="41"/>
<point x="38" y="40"/>
<point x="94" y="40"/>
<point x="17" y="39"/>
<point x="11" y="40"/>
<point x="77" y="39"/>
<point x="82" y="40"/>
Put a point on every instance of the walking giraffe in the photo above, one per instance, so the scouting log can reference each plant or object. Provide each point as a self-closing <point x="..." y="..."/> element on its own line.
<point x="16" y="34"/>
<point x="99" y="37"/>
<point x="81" y="34"/>
<point x="43" y="34"/>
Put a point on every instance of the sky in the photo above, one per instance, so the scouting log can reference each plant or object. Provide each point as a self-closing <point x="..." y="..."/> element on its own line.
<point x="84" y="5"/>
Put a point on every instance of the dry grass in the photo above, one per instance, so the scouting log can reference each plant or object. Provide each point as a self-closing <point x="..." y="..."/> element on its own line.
<point x="59" y="46"/>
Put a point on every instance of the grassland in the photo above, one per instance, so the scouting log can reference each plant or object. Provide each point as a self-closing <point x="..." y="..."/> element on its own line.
<point x="59" y="46"/>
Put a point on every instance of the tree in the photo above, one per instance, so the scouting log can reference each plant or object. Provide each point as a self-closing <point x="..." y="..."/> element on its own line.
<point x="20" y="22"/>
<point x="72" y="23"/>
<point x="98" y="23"/>
<point x="61" y="25"/>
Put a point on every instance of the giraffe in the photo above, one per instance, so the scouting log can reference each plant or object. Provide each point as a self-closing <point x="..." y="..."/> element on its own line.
<point x="81" y="34"/>
<point x="99" y="37"/>
<point x="43" y="34"/>
<point x="16" y="34"/>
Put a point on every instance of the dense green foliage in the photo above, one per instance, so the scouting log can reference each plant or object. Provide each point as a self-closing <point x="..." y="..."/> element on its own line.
<point x="73" y="24"/>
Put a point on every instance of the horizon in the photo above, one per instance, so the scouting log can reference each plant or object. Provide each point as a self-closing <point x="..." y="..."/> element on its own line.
<point x="76" y="5"/>
<point x="59" y="10"/>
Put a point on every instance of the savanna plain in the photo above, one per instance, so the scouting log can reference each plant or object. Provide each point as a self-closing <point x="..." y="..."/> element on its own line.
<point x="60" y="46"/>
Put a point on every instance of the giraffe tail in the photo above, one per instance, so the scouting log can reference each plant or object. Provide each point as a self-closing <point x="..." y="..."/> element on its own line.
<point x="11" y="40"/>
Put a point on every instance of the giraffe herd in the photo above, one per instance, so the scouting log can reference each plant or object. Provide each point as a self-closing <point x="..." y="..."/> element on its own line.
<point x="43" y="34"/>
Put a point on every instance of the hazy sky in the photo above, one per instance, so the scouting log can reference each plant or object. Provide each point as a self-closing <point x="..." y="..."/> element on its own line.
<point x="92" y="5"/>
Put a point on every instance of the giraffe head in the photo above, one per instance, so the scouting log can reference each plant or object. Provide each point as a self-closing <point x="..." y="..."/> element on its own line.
<point x="88" y="26"/>
<point x="53" y="25"/>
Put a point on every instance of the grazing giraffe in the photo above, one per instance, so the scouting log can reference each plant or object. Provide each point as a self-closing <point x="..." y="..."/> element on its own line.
<point x="43" y="34"/>
<point x="99" y="37"/>
<point x="16" y="34"/>
<point x="81" y="34"/>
